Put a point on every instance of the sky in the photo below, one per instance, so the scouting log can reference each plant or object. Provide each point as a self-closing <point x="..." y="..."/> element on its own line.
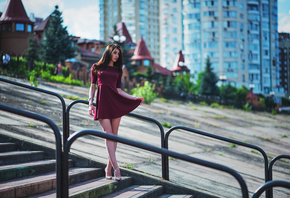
<point x="80" y="16"/>
<point x="82" y="19"/>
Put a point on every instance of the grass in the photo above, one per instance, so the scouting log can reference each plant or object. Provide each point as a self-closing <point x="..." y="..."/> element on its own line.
<point x="166" y="124"/>
<point x="129" y="166"/>
<point x="220" y="117"/>
<point x="42" y="102"/>
<point x="263" y="138"/>
<point x="284" y="136"/>
<point x="32" y="125"/>
<point x="232" y="145"/>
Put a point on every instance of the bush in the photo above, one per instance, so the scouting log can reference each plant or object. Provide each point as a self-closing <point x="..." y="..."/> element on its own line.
<point x="32" y="79"/>
<point x="247" y="107"/>
<point x="18" y="66"/>
<point x="215" y="105"/>
<point x="147" y="92"/>
<point x="203" y="103"/>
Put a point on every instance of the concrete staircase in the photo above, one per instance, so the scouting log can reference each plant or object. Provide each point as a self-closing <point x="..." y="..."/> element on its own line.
<point x="25" y="173"/>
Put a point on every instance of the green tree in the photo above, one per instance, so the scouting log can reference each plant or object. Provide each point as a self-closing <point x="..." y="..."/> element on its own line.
<point x="184" y="82"/>
<point x="208" y="81"/>
<point x="228" y="92"/>
<point x="241" y="96"/>
<point x="57" y="45"/>
<point x="32" y="53"/>
<point x="168" y="89"/>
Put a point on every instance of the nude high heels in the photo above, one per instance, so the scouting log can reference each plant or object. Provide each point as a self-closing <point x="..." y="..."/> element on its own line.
<point x="117" y="178"/>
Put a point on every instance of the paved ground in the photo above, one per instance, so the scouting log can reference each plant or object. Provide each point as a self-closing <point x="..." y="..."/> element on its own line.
<point x="271" y="133"/>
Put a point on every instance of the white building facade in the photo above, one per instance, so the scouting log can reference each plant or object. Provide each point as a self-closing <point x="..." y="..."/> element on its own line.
<point x="141" y="18"/>
<point x="240" y="37"/>
<point x="171" y="31"/>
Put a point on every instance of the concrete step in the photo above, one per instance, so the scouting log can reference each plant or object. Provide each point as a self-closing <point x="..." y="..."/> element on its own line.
<point x="93" y="188"/>
<point x="5" y="147"/>
<point x="14" y="157"/>
<point x="139" y="191"/>
<point x="9" y="172"/>
<point x="46" y="182"/>
<point x="176" y="196"/>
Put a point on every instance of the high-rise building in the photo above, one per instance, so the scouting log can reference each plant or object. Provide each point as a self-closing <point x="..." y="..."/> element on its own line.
<point x="170" y="31"/>
<point x="284" y="62"/>
<point x="110" y="14"/>
<point x="240" y="37"/>
<point x="141" y="18"/>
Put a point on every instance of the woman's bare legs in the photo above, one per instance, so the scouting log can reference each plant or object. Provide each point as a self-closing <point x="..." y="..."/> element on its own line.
<point x="111" y="126"/>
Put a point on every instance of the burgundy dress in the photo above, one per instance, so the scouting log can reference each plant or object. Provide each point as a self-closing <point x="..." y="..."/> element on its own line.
<point x="109" y="103"/>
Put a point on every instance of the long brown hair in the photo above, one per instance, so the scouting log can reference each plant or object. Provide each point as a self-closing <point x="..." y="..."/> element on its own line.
<point x="106" y="58"/>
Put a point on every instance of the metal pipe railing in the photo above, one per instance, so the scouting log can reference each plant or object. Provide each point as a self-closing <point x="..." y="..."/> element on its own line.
<point x="147" y="147"/>
<point x="271" y="170"/>
<point x="43" y="91"/>
<point x="270" y="185"/>
<point x="66" y="133"/>
<point x="58" y="145"/>
<point x="215" y="137"/>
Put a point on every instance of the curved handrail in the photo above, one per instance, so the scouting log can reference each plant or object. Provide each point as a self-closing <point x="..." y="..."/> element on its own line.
<point x="271" y="170"/>
<point x="130" y="114"/>
<point x="59" y="189"/>
<point x="270" y="184"/>
<point x="216" y="137"/>
<point x="43" y="91"/>
<point x="67" y="132"/>
<point x="148" y="147"/>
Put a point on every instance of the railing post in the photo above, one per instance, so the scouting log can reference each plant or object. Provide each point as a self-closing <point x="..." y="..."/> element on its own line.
<point x="270" y="190"/>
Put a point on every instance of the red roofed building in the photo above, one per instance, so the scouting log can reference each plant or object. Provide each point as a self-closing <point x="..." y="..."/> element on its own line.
<point x="16" y="28"/>
<point x="179" y="66"/>
<point x="142" y="58"/>
<point x="39" y="30"/>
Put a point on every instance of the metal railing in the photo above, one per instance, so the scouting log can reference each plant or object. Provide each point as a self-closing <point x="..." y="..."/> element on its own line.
<point x="46" y="92"/>
<point x="67" y="133"/>
<point x="166" y="152"/>
<point x="163" y="151"/>
<point x="270" y="185"/>
<point x="58" y="145"/>
<point x="219" y="138"/>
<point x="271" y="170"/>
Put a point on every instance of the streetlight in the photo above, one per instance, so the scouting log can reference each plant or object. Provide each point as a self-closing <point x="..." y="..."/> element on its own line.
<point x="120" y="39"/>
<point x="181" y="63"/>
<point x="223" y="78"/>
<point x="252" y="86"/>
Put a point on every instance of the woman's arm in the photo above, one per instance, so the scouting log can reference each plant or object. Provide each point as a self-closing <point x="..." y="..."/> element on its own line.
<point x="124" y="94"/>
<point x="91" y="99"/>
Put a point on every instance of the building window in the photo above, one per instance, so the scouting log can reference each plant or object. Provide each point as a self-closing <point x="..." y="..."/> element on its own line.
<point x="232" y="14"/>
<point x="29" y="28"/>
<point x="20" y="27"/>
<point x="146" y="62"/>
<point x="6" y="27"/>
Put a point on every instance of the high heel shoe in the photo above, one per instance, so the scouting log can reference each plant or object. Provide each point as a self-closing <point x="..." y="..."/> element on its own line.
<point x="117" y="178"/>
<point x="107" y="177"/>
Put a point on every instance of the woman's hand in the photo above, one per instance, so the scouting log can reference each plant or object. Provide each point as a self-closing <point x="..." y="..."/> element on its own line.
<point x="142" y="99"/>
<point x="91" y="109"/>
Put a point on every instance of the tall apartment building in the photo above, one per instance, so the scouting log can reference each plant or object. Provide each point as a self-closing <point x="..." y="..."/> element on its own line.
<point x="284" y="62"/>
<point x="240" y="37"/>
<point x="141" y="18"/>
<point x="171" y="31"/>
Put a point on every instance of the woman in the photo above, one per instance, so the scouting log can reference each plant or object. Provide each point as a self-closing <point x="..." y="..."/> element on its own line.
<point x="111" y="102"/>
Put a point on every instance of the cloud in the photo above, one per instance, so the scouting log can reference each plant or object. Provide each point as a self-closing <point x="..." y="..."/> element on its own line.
<point x="284" y="24"/>
<point x="41" y="8"/>
<point x="83" y="21"/>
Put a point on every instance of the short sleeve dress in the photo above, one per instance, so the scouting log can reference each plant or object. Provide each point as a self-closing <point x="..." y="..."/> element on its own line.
<point x="109" y="103"/>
